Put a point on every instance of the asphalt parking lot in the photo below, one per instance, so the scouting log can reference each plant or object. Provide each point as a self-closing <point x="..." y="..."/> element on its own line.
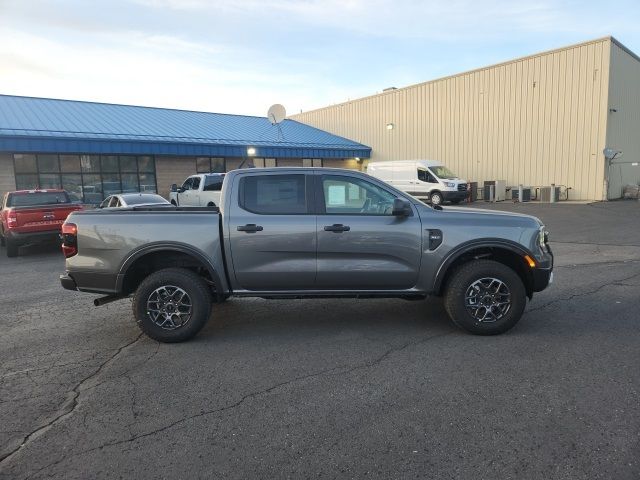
<point x="333" y="388"/>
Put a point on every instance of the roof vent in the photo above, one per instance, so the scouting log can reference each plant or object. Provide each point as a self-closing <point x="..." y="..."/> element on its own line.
<point x="388" y="89"/>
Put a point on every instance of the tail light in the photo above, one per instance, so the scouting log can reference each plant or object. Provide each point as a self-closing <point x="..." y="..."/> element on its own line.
<point x="69" y="239"/>
<point x="12" y="219"/>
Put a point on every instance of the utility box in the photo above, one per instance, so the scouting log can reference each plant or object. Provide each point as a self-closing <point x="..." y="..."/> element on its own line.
<point x="473" y="191"/>
<point x="545" y="194"/>
<point x="495" y="190"/>
<point x="526" y="194"/>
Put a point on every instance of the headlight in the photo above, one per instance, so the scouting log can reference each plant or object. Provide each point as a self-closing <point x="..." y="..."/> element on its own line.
<point x="450" y="185"/>
<point x="543" y="236"/>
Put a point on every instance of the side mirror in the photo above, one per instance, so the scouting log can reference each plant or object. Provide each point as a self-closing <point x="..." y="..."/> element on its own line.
<point x="174" y="187"/>
<point x="401" y="208"/>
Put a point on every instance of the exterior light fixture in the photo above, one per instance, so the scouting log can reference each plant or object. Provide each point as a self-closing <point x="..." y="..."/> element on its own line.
<point x="357" y="159"/>
<point x="251" y="151"/>
<point x="390" y="126"/>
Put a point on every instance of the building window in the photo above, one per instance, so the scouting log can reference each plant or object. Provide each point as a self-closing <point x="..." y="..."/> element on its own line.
<point x="210" y="165"/>
<point x="87" y="178"/>
<point x="311" y="162"/>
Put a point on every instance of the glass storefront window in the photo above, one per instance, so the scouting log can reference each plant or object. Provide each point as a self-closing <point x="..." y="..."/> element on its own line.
<point x="25" y="163"/>
<point x="213" y="165"/>
<point x="72" y="183"/>
<point x="109" y="163"/>
<point x="92" y="188"/>
<point x="146" y="164"/>
<point x="49" y="180"/>
<point x="26" y="182"/>
<point x="90" y="163"/>
<point x="111" y="183"/>
<point x="128" y="164"/>
<point x="203" y="165"/>
<point x="87" y="178"/>
<point x="148" y="182"/>
<point x="129" y="182"/>
<point x="217" y="165"/>
<point x="48" y="164"/>
<point x="70" y="163"/>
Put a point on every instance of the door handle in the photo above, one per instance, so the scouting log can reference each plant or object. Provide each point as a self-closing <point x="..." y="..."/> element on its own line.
<point x="250" y="228"/>
<point x="337" y="227"/>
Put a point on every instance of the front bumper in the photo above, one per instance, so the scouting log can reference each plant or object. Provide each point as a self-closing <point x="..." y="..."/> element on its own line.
<point x="543" y="273"/>
<point x="454" y="196"/>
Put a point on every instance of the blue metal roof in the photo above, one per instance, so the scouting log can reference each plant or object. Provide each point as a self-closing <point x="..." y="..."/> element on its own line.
<point x="30" y="124"/>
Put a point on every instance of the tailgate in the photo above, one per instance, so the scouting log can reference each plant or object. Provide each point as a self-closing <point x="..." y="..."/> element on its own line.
<point x="42" y="218"/>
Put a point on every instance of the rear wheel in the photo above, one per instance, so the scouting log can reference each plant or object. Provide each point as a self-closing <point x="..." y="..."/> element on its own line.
<point x="485" y="297"/>
<point x="436" y="198"/>
<point x="172" y="305"/>
<point x="12" y="248"/>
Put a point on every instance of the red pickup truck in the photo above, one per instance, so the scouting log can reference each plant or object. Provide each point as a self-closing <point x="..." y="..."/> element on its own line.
<point x="33" y="216"/>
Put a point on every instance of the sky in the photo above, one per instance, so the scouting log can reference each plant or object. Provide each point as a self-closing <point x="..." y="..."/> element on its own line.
<point x="241" y="56"/>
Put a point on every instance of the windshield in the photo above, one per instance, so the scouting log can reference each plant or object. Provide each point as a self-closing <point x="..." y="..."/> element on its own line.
<point x="32" y="199"/>
<point x="443" y="173"/>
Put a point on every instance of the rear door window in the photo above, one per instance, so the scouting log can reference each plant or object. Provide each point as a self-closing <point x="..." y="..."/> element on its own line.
<point x="274" y="194"/>
<point x="213" y="183"/>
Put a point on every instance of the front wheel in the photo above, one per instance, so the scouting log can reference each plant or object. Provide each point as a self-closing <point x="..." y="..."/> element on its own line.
<point x="436" y="198"/>
<point x="485" y="297"/>
<point x="172" y="305"/>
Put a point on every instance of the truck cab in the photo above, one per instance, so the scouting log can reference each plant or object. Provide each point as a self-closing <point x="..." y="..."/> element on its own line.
<point x="202" y="190"/>
<point x="424" y="179"/>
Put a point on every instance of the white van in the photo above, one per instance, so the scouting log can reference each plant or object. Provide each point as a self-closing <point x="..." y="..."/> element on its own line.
<point x="425" y="179"/>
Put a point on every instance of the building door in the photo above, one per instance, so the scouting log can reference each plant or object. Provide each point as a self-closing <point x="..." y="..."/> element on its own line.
<point x="361" y="245"/>
<point x="272" y="232"/>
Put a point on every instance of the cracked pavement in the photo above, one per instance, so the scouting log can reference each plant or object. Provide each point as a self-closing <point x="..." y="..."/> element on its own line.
<point x="333" y="388"/>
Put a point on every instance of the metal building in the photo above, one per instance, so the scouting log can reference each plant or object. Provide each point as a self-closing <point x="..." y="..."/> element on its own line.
<point x="94" y="149"/>
<point x="538" y="120"/>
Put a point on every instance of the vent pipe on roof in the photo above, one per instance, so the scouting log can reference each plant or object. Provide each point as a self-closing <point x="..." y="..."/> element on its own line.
<point x="388" y="89"/>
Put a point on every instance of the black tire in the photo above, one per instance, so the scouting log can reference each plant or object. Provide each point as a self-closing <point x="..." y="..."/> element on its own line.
<point x="436" y="198"/>
<point x="2" y="240"/>
<point x="211" y="204"/>
<point x="173" y="202"/>
<point x="149" y="291"/>
<point x="479" y="272"/>
<point x="12" y="248"/>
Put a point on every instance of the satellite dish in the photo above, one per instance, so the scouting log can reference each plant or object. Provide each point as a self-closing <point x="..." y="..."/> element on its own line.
<point x="276" y="113"/>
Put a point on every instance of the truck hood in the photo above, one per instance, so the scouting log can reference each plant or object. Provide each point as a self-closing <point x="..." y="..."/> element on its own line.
<point x="489" y="213"/>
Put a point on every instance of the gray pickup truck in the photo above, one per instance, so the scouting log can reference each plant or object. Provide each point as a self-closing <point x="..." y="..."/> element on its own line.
<point x="306" y="232"/>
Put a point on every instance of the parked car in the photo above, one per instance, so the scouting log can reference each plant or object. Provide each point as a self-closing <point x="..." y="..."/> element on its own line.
<point x="33" y="216"/>
<point x="198" y="190"/>
<point x="123" y="200"/>
<point x="425" y="179"/>
<point x="307" y="232"/>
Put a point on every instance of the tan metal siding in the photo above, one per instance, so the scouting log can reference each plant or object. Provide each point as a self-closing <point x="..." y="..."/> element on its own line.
<point x="536" y="120"/>
<point x="623" y="130"/>
<point x="171" y="170"/>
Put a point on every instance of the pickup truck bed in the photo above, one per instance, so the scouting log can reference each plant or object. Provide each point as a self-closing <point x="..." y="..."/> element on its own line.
<point x="303" y="232"/>
<point x="33" y="216"/>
